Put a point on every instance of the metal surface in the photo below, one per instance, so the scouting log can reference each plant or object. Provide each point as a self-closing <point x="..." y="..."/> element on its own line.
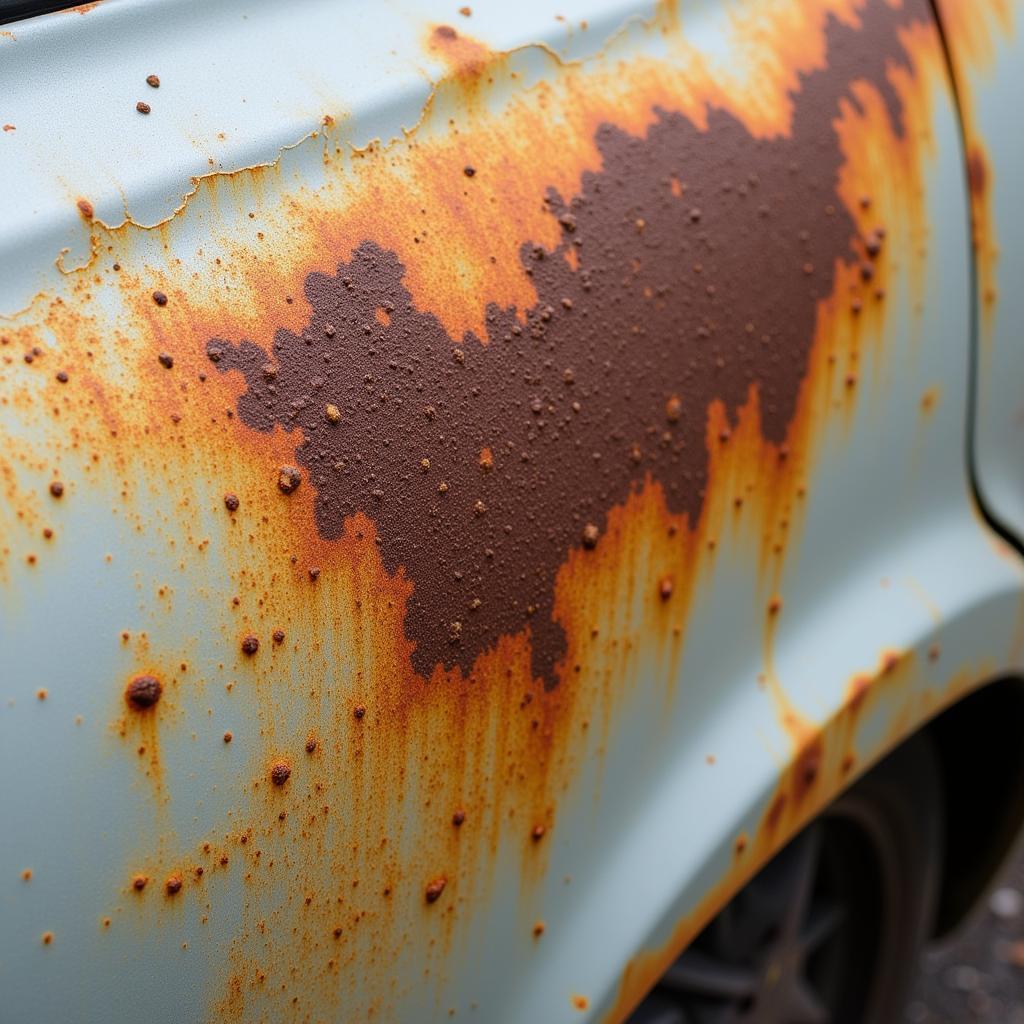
<point x="986" y="49"/>
<point x="525" y="524"/>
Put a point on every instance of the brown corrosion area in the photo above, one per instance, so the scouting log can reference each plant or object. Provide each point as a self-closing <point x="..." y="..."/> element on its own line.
<point x="702" y="295"/>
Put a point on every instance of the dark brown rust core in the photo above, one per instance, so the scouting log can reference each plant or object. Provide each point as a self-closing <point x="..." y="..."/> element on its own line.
<point x="143" y="692"/>
<point x="674" y="302"/>
<point x="434" y="889"/>
<point x="280" y="773"/>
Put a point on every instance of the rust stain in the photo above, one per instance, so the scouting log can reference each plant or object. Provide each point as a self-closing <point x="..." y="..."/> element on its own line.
<point x="556" y="381"/>
<point x="971" y="31"/>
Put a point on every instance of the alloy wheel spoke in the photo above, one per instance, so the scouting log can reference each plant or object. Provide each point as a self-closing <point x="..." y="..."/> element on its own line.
<point x="802" y="874"/>
<point x="821" y="924"/>
<point x="805" y="1006"/>
<point x="695" y="973"/>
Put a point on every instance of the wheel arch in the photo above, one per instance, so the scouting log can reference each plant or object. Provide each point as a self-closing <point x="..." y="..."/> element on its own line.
<point x="981" y="762"/>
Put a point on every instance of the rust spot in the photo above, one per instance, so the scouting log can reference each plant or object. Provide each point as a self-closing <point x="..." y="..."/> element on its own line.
<point x="143" y="692"/>
<point x="580" y="1003"/>
<point x="143" y="107"/>
<point x="310" y="745"/>
<point x="26" y="875"/>
<point x="458" y="817"/>
<point x="160" y="298"/>
<point x="280" y="773"/>
<point x="56" y="488"/>
<point x="139" y="882"/>
<point x="228" y="737"/>
<point x="537" y="833"/>
<point x="808" y="765"/>
<point x="977" y="172"/>
<point x="166" y="360"/>
<point x="288" y="479"/>
<point x="775" y="605"/>
<point x="47" y="938"/>
<point x="153" y="81"/>
<point x="359" y="711"/>
<point x="435" y="888"/>
<point x="231" y="502"/>
<point x="665" y="586"/>
<point x="41" y="694"/>
<point x="173" y="885"/>
<point x="860" y="687"/>
<point x="278" y="636"/>
<point x="590" y="535"/>
<point x="85" y="209"/>
<point x="890" y="660"/>
<point x="539" y="927"/>
<point x="250" y="644"/>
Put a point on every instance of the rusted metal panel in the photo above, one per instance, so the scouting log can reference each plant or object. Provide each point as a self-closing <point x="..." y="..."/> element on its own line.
<point x="437" y="571"/>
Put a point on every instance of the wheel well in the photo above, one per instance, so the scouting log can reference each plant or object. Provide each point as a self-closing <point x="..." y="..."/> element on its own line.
<point x="981" y="759"/>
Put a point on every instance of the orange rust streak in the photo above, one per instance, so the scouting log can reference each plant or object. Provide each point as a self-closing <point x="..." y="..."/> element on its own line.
<point x="971" y="31"/>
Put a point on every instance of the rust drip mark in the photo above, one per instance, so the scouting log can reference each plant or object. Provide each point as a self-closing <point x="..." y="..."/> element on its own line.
<point x="567" y="454"/>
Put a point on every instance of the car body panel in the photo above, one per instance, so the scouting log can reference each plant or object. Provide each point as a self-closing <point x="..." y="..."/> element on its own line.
<point x="716" y="592"/>
<point x="986" y="48"/>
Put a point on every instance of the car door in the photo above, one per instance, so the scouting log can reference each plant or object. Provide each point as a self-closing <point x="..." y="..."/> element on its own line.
<point x="476" y="482"/>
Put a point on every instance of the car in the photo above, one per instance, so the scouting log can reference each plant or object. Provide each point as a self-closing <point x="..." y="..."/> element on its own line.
<point x="510" y="513"/>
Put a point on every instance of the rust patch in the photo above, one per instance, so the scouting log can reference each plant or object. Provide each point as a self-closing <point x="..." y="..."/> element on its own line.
<point x="409" y="391"/>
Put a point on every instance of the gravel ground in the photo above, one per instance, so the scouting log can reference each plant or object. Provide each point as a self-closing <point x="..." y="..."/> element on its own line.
<point x="978" y="976"/>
